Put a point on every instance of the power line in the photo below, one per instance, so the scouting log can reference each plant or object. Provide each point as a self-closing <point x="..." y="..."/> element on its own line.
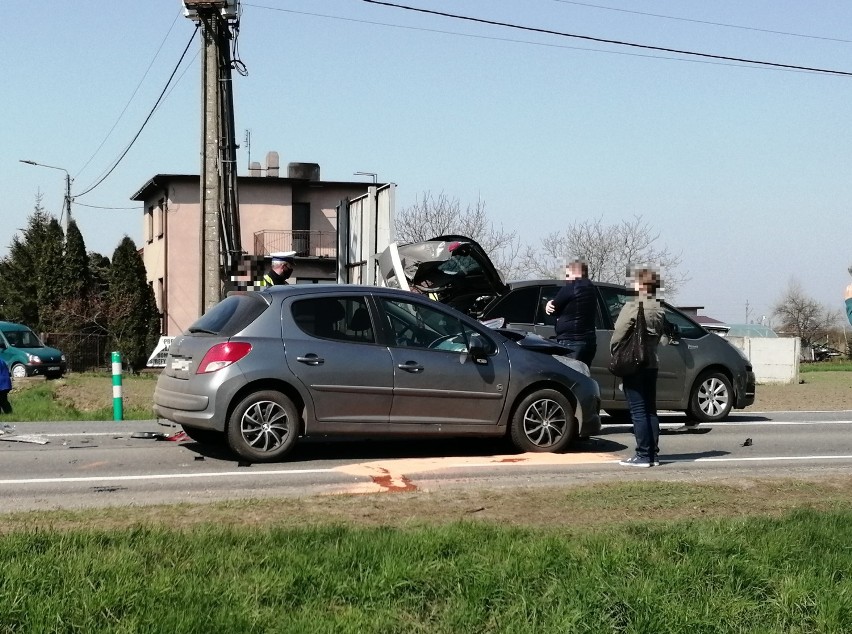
<point x="130" y="100"/>
<point x="507" y="39"/>
<point x="145" y="122"/>
<point x="707" y="22"/>
<point x="608" y="41"/>
<point x="100" y="207"/>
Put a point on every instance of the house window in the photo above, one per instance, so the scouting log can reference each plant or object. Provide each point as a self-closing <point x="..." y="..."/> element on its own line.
<point x="149" y="224"/>
<point x="159" y="223"/>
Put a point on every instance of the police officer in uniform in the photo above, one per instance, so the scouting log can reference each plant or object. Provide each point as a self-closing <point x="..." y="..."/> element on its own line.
<point x="280" y="270"/>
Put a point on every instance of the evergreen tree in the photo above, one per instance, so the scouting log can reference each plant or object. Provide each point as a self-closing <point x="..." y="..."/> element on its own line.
<point x="29" y="272"/>
<point x="76" y="274"/>
<point x="133" y="310"/>
<point x="50" y="276"/>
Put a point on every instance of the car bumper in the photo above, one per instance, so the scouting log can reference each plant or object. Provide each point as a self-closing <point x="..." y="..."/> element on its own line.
<point x="185" y="402"/>
<point x="43" y="369"/>
<point x="745" y="387"/>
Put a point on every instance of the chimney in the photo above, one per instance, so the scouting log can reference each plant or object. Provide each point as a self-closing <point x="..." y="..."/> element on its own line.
<point x="304" y="171"/>
<point x="272" y="164"/>
<point x="255" y="169"/>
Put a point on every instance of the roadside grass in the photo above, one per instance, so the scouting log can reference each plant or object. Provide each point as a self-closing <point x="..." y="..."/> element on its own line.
<point x="761" y="574"/>
<point x="838" y="365"/>
<point x="85" y="396"/>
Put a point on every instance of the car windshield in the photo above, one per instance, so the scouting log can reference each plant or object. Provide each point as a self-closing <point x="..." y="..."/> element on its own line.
<point x="22" y="339"/>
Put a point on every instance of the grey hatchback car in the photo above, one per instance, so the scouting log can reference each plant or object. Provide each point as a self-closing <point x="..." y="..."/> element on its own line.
<point x="262" y="369"/>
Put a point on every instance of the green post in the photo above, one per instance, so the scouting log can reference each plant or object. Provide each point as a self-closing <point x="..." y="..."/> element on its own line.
<point x="117" y="401"/>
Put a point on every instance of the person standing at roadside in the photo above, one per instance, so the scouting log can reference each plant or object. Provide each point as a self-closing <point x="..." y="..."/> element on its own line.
<point x="280" y="270"/>
<point x="849" y="300"/>
<point x="5" y="388"/>
<point x="640" y="388"/>
<point x="576" y="305"/>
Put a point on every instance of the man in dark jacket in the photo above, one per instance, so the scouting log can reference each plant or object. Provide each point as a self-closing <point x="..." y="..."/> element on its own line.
<point x="576" y="305"/>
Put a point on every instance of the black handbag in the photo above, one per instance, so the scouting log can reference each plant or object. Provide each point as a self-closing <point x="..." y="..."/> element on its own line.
<point x="632" y="354"/>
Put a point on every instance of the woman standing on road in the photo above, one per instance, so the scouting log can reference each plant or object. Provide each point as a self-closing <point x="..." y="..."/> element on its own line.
<point x="640" y="389"/>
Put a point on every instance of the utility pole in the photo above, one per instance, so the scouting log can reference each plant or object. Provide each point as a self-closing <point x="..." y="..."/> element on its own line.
<point x="220" y="238"/>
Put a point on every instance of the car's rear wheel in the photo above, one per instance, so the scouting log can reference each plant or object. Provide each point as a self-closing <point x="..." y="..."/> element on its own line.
<point x="19" y="371"/>
<point x="204" y="436"/>
<point x="712" y="397"/>
<point x="543" y="421"/>
<point x="263" y="427"/>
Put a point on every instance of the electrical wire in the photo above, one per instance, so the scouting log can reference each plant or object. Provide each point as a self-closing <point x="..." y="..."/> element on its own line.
<point x="509" y="39"/>
<point x="707" y="22"/>
<point x="145" y="122"/>
<point x="236" y="63"/>
<point x="609" y="41"/>
<point x="100" y="207"/>
<point x="130" y="100"/>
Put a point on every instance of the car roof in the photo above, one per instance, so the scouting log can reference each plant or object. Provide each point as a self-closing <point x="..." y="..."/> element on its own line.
<point x="295" y="290"/>
<point x="11" y="325"/>
<point x="545" y="282"/>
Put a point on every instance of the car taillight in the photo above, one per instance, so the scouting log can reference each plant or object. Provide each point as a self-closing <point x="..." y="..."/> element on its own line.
<point x="222" y="355"/>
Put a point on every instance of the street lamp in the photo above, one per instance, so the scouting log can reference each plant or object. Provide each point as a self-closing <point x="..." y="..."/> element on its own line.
<point x="66" y="208"/>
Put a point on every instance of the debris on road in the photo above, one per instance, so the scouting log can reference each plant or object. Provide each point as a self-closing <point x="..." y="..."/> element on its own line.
<point x="30" y="438"/>
<point x="747" y="442"/>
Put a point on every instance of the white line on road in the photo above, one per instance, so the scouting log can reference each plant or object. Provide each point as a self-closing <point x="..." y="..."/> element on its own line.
<point x="766" y="458"/>
<point x="164" y="476"/>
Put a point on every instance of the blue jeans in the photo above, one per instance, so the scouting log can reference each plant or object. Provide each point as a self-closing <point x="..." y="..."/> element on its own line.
<point x="581" y="350"/>
<point x="641" y="393"/>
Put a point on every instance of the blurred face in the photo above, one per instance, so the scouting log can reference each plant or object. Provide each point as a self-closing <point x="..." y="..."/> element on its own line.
<point x="575" y="271"/>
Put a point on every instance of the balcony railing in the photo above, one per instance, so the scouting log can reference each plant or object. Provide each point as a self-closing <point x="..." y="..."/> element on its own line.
<point x="304" y="243"/>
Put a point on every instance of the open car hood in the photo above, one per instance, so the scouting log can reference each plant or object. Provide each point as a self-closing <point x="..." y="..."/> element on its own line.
<point x="453" y="269"/>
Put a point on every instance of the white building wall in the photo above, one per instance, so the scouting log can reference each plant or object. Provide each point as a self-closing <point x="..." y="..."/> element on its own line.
<point x="774" y="360"/>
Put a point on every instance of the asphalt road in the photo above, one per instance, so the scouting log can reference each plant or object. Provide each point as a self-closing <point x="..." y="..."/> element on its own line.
<point x="98" y="464"/>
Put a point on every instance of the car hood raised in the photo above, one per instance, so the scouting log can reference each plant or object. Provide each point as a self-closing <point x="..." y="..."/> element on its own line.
<point x="454" y="269"/>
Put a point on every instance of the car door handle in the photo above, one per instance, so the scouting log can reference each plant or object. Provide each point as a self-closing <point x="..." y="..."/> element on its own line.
<point x="311" y="359"/>
<point x="411" y="366"/>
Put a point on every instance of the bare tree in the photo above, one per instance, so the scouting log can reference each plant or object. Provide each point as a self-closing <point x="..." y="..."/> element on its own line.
<point x="609" y="249"/>
<point x="803" y="316"/>
<point x="436" y="215"/>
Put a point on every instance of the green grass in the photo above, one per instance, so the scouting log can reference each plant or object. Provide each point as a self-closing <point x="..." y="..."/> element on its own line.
<point x="790" y="574"/>
<point x="79" y="397"/>
<point x="840" y="365"/>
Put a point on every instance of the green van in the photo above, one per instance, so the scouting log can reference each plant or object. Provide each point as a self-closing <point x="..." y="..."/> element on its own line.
<point x="26" y="355"/>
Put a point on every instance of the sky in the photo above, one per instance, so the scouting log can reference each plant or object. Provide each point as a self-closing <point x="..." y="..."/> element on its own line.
<point x="745" y="171"/>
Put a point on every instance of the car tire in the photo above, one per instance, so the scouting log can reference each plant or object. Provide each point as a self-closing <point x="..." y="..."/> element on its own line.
<point x="263" y="427"/>
<point x="712" y="397"/>
<point x="543" y="421"/>
<point x="18" y="371"/>
<point x="204" y="436"/>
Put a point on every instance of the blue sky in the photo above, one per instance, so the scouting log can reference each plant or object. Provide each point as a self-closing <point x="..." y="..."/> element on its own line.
<point x="745" y="171"/>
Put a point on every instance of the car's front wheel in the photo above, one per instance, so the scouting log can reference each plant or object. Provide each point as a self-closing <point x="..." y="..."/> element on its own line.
<point x="263" y="427"/>
<point x="712" y="397"/>
<point x="543" y="421"/>
<point x="19" y="371"/>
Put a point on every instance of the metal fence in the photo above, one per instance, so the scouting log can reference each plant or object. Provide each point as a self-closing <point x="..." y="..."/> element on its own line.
<point x="304" y="243"/>
<point x="82" y="351"/>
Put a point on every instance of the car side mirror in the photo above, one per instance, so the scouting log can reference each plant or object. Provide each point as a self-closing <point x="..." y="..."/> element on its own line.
<point x="478" y="351"/>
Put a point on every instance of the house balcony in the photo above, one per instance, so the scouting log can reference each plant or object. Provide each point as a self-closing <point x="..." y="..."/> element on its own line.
<point x="306" y="244"/>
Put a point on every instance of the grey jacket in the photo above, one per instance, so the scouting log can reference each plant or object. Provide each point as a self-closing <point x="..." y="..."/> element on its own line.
<point x="655" y="320"/>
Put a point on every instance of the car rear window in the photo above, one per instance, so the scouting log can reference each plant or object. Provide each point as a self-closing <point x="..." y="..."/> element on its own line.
<point x="231" y="315"/>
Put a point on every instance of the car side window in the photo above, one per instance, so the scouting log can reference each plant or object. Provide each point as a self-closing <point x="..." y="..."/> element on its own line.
<point x="614" y="300"/>
<point x="518" y="307"/>
<point x="416" y="325"/>
<point x="686" y="328"/>
<point x="338" y="318"/>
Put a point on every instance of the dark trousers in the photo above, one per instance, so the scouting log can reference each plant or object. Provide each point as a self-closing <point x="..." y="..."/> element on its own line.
<point x="5" y="406"/>
<point x="583" y="350"/>
<point x="641" y="392"/>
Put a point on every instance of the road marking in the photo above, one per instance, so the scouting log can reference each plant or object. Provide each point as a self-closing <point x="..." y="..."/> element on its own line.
<point x="164" y="476"/>
<point x="732" y="423"/>
<point x="766" y="458"/>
